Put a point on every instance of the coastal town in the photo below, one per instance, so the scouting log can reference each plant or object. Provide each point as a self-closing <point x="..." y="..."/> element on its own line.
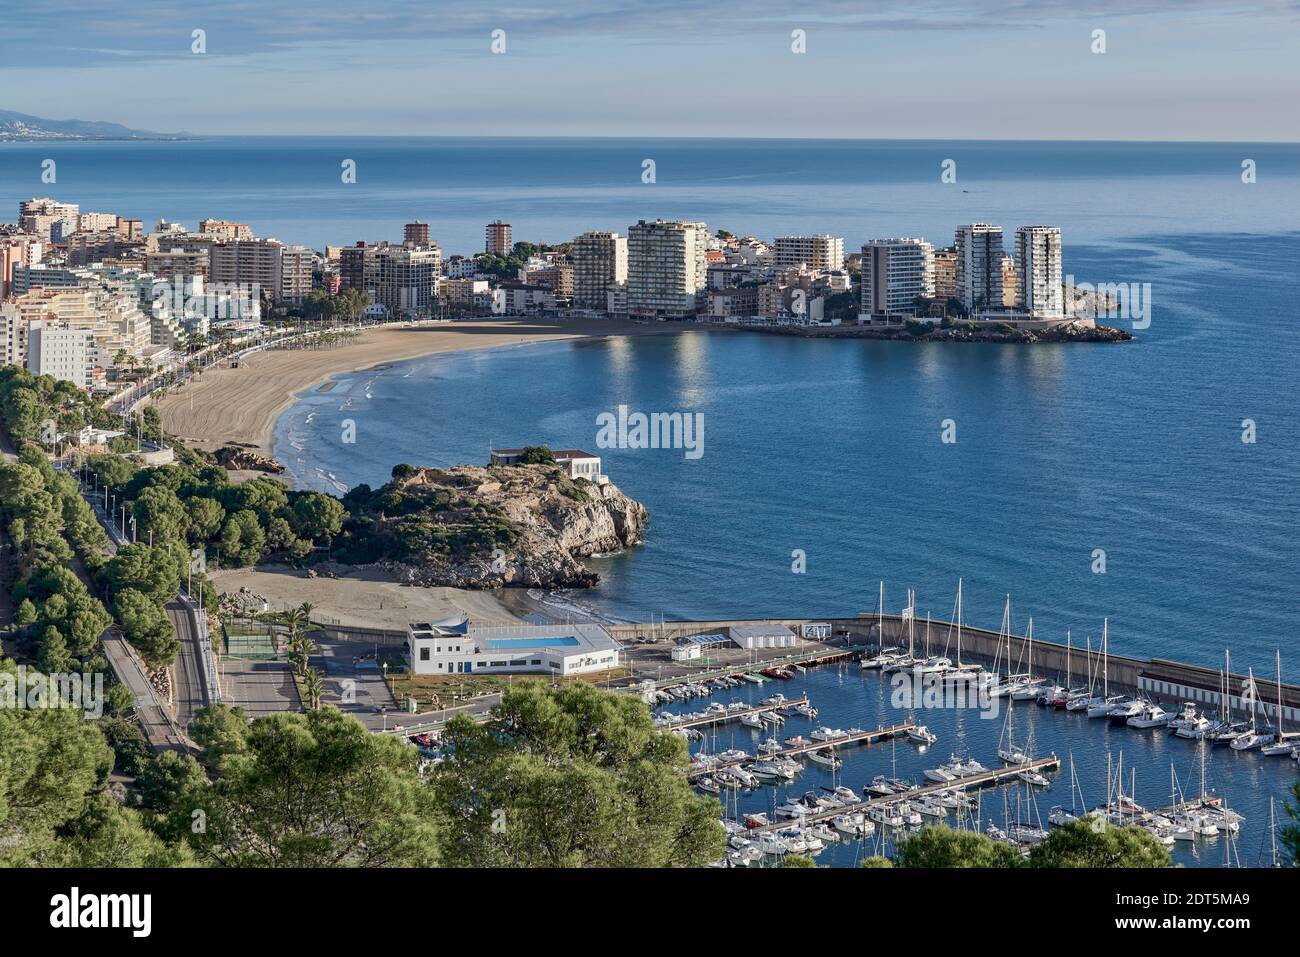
<point x="92" y="298"/>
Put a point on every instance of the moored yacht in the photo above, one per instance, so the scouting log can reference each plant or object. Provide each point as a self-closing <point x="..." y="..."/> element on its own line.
<point x="1151" y="716"/>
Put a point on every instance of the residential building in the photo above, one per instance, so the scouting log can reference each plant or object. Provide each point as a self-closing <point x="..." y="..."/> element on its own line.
<point x="60" y="352"/>
<point x="733" y="302"/>
<point x="224" y="229"/>
<point x="38" y="216"/>
<point x="87" y="248"/>
<point x="176" y="265"/>
<point x="415" y="234"/>
<point x="17" y="249"/>
<point x="945" y="274"/>
<point x="616" y="299"/>
<point x="499" y="239"/>
<point x="666" y="270"/>
<point x="1038" y="253"/>
<point x="815" y="252"/>
<point x="599" y="258"/>
<point x="520" y="298"/>
<point x="1009" y="282"/>
<point x="978" y="275"/>
<point x="402" y="279"/>
<point x="295" y="274"/>
<point x="248" y="264"/>
<point x="895" y="273"/>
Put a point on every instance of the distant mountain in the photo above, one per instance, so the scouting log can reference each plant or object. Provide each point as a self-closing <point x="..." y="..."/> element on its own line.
<point x="20" y="126"/>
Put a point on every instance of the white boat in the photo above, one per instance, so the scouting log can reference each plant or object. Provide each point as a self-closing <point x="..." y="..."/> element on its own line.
<point x="825" y="757"/>
<point x="942" y="774"/>
<point x="922" y="735"/>
<point x="1151" y="716"/>
<point x="886" y="815"/>
<point x="1101" y="707"/>
<point x="931" y="806"/>
<point x="752" y="720"/>
<point x="824" y="833"/>
<point x="771" y="844"/>
<point x="827" y="734"/>
<point x="1060" y="817"/>
<point x="1195" y="728"/>
<point x="1278" y="749"/>
<point x="973" y="767"/>
<point x="1251" y="740"/>
<point x="850" y="824"/>
<point x="1013" y="755"/>
<point x="709" y="786"/>
<point x="1034" y="778"/>
<point x="1124" y="709"/>
<point x="846" y="794"/>
<point x="910" y="815"/>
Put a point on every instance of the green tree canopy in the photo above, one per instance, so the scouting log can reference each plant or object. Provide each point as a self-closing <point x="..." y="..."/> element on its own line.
<point x="1095" y="843"/>
<point x="313" y="790"/>
<point x="574" y="777"/>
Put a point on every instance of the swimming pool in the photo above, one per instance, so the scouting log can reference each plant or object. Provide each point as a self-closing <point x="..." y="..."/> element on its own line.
<point x="506" y="644"/>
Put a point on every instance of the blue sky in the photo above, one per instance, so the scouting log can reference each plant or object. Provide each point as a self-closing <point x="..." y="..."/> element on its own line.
<point x="1013" y="69"/>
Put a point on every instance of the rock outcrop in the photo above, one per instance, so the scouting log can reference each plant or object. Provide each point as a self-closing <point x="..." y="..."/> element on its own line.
<point x="246" y="460"/>
<point x="474" y="527"/>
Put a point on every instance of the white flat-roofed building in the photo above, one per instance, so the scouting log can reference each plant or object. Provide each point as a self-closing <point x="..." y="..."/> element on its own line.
<point x="459" y="648"/>
<point x="599" y="258"/>
<point x="894" y="273"/>
<point x="762" y="635"/>
<point x="577" y="463"/>
<point x="1038" y="257"/>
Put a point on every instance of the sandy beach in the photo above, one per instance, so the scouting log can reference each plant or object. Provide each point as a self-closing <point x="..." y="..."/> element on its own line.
<point x="242" y="405"/>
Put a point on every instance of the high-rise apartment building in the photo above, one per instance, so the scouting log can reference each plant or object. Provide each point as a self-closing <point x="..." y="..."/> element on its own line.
<point x="825" y="253"/>
<point x="895" y="272"/>
<point x="599" y="259"/>
<point x="38" y="216"/>
<point x="1038" y="256"/>
<point x="60" y="352"/>
<point x="295" y="274"/>
<point x="416" y="233"/>
<point x="666" y="269"/>
<point x="979" y="266"/>
<point x="499" y="238"/>
<point x="402" y="279"/>
<point x="248" y="263"/>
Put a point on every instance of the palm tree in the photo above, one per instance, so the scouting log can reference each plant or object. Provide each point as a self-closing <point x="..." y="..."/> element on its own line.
<point x="313" y="683"/>
<point x="306" y="648"/>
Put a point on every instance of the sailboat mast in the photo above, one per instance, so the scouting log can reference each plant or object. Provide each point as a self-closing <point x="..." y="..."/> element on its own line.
<point x="958" y="622"/>
<point x="1105" y="658"/>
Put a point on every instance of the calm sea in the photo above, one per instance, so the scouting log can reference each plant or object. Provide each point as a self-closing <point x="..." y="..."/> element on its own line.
<point x="833" y="448"/>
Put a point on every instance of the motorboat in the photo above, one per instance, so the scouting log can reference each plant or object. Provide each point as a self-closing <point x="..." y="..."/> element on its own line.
<point x="1195" y="728"/>
<point x="827" y="734"/>
<point x="1151" y="716"/>
<point x="1124" y="709"/>
<point x="826" y="758"/>
<point x="1278" y="749"/>
<point x="922" y="735"/>
<point x="911" y="816"/>
<point x="846" y="794"/>
<point x="1101" y="707"/>
<point x="943" y="774"/>
<point x="757" y="819"/>
<point x="824" y="834"/>
<point x="771" y="844"/>
<point x="850" y="824"/>
<point x="1034" y="778"/>
<point x="886" y="815"/>
<point x="752" y="720"/>
<point x="709" y="786"/>
<point x="1060" y="817"/>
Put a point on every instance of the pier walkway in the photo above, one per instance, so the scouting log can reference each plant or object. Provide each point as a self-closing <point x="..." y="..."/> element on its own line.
<point x="859" y="737"/>
<point x="986" y="778"/>
<point x="720" y="717"/>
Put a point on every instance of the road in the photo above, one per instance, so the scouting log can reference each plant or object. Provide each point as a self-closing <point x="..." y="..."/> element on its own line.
<point x="189" y="680"/>
<point x="190" y="689"/>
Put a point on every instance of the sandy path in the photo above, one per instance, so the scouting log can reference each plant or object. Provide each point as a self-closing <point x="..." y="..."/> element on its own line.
<point x="242" y="405"/>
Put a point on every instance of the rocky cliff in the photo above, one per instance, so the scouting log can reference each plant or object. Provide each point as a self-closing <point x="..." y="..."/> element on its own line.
<point x="472" y="527"/>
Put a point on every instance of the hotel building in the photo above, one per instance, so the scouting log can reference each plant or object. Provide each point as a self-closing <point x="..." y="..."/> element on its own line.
<point x="498" y="238"/>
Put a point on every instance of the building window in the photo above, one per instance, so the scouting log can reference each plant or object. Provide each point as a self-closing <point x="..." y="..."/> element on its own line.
<point x="424" y="654"/>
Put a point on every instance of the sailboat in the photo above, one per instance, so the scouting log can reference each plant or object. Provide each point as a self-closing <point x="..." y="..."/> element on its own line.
<point x="1253" y="738"/>
<point x="960" y="673"/>
<point x="1079" y="699"/>
<point x="1059" y="816"/>
<point x="1028" y="687"/>
<point x="1007" y="750"/>
<point x="1226" y="730"/>
<point x="1282" y="746"/>
<point x="1101" y="707"/>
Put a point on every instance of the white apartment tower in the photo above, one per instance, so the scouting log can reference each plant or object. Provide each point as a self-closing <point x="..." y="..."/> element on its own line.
<point x="665" y="268"/>
<point x="1038" y="257"/>
<point x="59" y="352"/>
<point x="979" y="266"/>
<point x="598" y="260"/>
<point x="894" y="273"/>
<point x="825" y="253"/>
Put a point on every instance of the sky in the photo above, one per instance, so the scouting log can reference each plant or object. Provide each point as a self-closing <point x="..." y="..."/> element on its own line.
<point x="981" y="69"/>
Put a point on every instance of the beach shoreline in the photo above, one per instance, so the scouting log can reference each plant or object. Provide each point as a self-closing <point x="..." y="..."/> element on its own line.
<point x="224" y="406"/>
